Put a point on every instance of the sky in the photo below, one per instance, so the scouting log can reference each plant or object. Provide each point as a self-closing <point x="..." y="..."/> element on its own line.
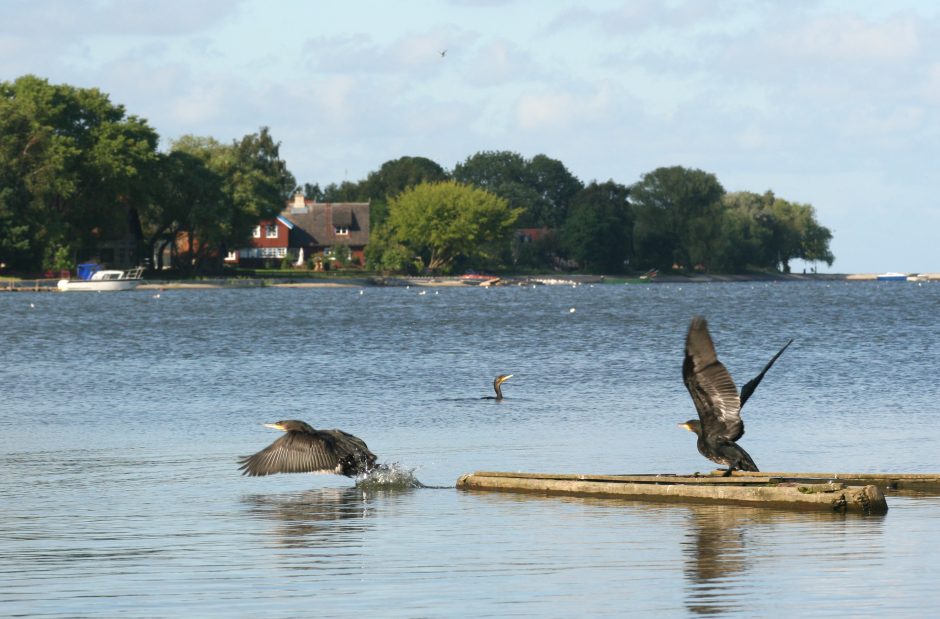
<point x="830" y="103"/>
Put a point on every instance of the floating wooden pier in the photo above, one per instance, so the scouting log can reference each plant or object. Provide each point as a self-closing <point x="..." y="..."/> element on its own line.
<point x="756" y="490"/>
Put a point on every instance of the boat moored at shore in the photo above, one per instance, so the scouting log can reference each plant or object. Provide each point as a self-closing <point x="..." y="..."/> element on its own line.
<point x="92" y="278"/>
<point x="892" y="277"/>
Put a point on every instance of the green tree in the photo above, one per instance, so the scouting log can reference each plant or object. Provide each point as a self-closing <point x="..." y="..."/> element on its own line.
<point x="395" y="176"/>
<point x="186" y="199"/>
<point x="347" y="191"/>
<point x="445" y="223"/>
<point x="556" y="187"/>
<point x="254" y="183"/>
<point x="70" y="166"/>
<point x="313" y="192"/>
<point x="764" y="231"/>
<point x="598" y="233"/>
<point x="258" y="182"/>
<point x="543" y="187"/>
<point x="678" y="217"/>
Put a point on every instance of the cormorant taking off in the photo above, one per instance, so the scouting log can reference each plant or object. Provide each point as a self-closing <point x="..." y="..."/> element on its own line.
<point x="305" y="450"/>
<point x="499" y="380"/>
<point x="716" y="399"/>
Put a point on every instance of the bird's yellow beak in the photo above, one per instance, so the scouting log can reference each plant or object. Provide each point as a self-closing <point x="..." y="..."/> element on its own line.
<point x="684" y="426"/>
<point x="274" y="426"/>
<point x="505" y="378"/>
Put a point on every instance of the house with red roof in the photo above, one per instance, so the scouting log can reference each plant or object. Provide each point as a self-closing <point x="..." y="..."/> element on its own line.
<point x="318" y="229"/>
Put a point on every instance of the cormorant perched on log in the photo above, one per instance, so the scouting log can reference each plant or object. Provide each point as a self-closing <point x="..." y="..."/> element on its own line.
<point x="306" y="450"/>
<point x="716" y="399"/>
<point x="499" y="380"/>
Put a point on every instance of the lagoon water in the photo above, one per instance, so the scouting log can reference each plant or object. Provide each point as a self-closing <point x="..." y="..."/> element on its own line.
<point x="122" y="417"/>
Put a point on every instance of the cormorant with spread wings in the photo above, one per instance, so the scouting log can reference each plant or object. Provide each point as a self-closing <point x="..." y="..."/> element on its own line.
<point x="716" y="399"/>
<point x="303" y="449"/>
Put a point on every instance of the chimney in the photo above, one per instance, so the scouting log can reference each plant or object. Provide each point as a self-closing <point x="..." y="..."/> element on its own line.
<point x="299" y="205"/>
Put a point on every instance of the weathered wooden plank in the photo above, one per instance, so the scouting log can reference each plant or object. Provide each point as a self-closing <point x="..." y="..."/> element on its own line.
<point x="921" y="482"/>
<point x="834" y="497"/>
<point x="643" y="479"/>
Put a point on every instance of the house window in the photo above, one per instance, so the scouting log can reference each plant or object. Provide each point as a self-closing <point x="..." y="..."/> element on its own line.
<point x="341" y="230"/>
<point x="270" y="231"/>
<point x="231" y="256"/>
<point x="262" y="252"/>
<point x="256" y="232"/>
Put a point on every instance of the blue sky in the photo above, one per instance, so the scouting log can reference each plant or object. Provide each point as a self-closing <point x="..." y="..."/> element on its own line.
<point x="834" y="104"/>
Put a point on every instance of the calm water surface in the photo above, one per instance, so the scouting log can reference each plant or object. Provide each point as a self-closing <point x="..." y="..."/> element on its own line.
<point x="122" y="417"/>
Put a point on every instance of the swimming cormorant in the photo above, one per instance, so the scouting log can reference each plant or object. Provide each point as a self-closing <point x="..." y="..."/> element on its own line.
<point x="497" y="382"/>
<point x="716" y="399"/>
<point x="303" y="449"/>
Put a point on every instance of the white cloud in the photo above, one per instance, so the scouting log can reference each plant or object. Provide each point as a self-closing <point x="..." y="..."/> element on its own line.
<point x="559" y="110"/>
<point x="70" y="19"/>
<point x="931" y="87"/>
<point x="848" y="37"/>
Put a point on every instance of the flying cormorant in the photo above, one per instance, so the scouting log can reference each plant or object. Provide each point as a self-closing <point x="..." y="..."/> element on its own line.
<point x="497" y="382"/>
<point x="716" y="399"/>
<point x="303" y="449"/>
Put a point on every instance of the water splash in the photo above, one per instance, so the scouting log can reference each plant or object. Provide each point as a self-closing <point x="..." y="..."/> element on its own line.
<point x="391" y="476"/>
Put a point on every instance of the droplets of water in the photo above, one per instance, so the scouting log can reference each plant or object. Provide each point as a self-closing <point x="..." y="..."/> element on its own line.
<point x="391" y="476"/>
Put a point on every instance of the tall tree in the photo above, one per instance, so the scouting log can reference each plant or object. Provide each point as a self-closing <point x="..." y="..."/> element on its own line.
<point x="313" y="192"/>
<point x="764" y="231"/>
<point x="445" y="223"/>
<point x="395" y="176"/>
<point x="542" y="187"/>
<point x="255" y="185"/>
<point x="678" y="217"/>
<point x="598" y="233"/>
<point x="186" y="199"/>
<point x="556" y="187"/>
<point x="70" y="162"/>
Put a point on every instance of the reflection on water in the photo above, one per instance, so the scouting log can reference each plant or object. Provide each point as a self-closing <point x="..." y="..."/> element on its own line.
<point x="715" y="549"/>
<point x="325" y="517"/>
<point x="722" y="543"/>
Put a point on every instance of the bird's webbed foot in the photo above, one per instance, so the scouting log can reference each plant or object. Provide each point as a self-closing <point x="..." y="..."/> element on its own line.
<point x="728" y="472"/>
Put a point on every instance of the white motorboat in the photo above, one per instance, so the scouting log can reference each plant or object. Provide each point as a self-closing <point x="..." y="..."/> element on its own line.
<point x="93" y="278"/>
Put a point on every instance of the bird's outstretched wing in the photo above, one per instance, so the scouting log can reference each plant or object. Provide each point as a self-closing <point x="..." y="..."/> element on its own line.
<point x="751" y="385"/>
<point x="710" y="385"/>
<point x="350" y="446"/>
<point x="295" y="452"/>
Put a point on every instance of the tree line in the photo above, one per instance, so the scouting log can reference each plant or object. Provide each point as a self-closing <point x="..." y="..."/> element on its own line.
<point x="673" y="218"/>
<point x="76" y="169"/>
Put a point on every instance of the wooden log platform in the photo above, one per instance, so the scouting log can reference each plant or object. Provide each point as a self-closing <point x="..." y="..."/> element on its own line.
<point x="926" y="483"/>
<point x="756" y="490"/>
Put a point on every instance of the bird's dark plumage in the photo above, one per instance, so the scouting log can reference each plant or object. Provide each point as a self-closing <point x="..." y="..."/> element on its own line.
<point x="716" y="399"/>
<point x="303" y="449"/>
<point x="497" y="383"/>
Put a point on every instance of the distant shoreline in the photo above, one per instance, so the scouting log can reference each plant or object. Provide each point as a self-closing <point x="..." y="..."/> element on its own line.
<point x="45" y="285"/>
<point x="508" y="280"/>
